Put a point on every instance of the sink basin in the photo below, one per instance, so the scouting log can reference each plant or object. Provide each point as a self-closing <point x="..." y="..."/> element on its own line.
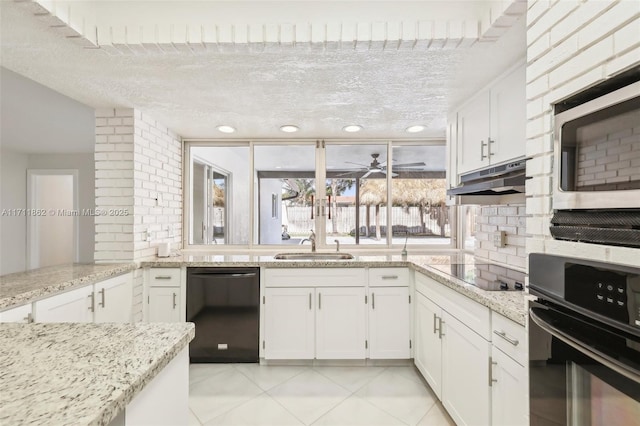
<point x="313" y="256"/>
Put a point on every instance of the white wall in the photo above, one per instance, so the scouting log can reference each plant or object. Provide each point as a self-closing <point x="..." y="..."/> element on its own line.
<point x="270" y="227"/>
<point x="13" y="195"/>
<point x="85" y="165"/>
<point x="572" y="45"/>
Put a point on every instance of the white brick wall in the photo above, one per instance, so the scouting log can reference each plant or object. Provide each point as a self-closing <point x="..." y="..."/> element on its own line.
<point x="572" y="45"/>
<point x="508" y="218"/>
<point x="139" y="172"/>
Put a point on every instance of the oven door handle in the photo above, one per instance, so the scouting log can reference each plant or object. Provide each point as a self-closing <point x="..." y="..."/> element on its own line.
<point x="592" y="353"/>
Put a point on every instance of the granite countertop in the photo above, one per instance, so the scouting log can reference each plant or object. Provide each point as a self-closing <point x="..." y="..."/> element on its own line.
<point x="24" y="287"/>
<point x="80" y="374"/>
<point x="510" y="304"/>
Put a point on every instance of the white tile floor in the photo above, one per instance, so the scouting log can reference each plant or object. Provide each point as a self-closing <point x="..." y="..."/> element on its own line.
<point x="252" y="394"/>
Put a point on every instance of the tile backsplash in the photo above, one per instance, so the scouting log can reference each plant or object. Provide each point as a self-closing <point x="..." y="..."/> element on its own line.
<point x="511" y="220"/>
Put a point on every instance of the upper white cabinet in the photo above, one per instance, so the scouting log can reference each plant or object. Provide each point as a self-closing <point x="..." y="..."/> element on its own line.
<point x="491" y="127"/>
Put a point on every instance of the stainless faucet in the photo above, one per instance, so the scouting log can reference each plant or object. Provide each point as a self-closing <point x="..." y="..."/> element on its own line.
<point x="312" y="238"/>
<point x="337" y="245"/>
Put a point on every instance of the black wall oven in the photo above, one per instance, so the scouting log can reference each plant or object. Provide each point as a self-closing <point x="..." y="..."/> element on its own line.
<point x="584" y="342"/>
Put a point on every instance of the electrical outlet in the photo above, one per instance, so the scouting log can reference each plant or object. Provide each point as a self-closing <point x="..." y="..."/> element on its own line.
<point x="499" y="239"/>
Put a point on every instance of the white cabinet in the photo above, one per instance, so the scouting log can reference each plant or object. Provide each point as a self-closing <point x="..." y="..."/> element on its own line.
<point x="340" y="323"/>
<point x="72" y="306"/>
<point x="389" y="328"/>
<point x="465" y="373"/>
<point x="105" y="301"/>
<point x="164" y="295"/>
<point x="289" y="325"/>
<point x="114" y="299"/>
<point x="473" y="133"/>
<point x="491" y="127"/>
<point x="509" y="387"/>
<point x="164" y="304"/>
<point x="22" y="313"/>
<point x="452" y="350"/>
<point x="314" y="313"/>
<point x="428" y="335"/>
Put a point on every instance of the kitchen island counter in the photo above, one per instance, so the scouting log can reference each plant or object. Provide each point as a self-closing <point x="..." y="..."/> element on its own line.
<point x="81" y="374"/>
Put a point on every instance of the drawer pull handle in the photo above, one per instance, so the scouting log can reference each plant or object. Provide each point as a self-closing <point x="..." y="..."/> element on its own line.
<point x="389" y="277"/>
<point x="435" y="329"/>
<point x="502" y="334"/>
<point x="92" y="296"/>
<point x="174" y="300"/>
<point x="163" y="277"/>
<point x="102" y="296"/>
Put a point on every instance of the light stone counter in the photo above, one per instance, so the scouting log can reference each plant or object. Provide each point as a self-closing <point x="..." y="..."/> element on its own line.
<point x="80" y="374"/>
<point x="24" y="287"/>
<point x="511" y="304"/>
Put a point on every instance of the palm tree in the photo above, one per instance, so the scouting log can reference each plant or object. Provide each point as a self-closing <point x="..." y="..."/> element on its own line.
<point x="335" y="188"/>
<point x="373" y="192"/>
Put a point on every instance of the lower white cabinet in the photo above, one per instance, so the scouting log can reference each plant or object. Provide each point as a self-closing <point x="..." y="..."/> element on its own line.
<point x="114" y="299"/>
<point x="164" y="304"/>
<point x="465" y="373"/>
<point x="340" y="323"/>
<point x="389" y="326"/>
<point x="289" y="326"/>
<point x="428" y="335"/>
<point x="164" y="295"/>
<point x="307" y="323"/>
<point x="72" y="306"/>
<point x="509" y="391"/>
<point x="22" y="313"/>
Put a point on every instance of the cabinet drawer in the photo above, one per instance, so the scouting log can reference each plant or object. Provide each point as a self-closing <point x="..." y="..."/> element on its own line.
<point x="388" y="277"/>
<point x="164" y="277"/>
<point x="315" y="277"/>
<point x="509" y="337"/>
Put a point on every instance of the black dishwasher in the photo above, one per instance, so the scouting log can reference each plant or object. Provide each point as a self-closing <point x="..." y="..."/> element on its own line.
<point x="223" y="303"/>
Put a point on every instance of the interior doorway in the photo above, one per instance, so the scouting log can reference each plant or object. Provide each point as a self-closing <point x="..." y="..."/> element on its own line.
<point x="52" y="217"/>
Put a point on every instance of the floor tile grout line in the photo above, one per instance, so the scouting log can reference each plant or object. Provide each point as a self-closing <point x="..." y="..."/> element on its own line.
<point x="329" y="410"/>
<point x="266" y="390"/>
<point x="349" y="390"/>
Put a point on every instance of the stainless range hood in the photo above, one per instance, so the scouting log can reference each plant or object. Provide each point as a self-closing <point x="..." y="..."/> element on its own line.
<point x="496" y="181"/>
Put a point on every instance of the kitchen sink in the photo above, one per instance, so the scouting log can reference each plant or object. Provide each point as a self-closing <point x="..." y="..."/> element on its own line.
<point x="313" y="256"/>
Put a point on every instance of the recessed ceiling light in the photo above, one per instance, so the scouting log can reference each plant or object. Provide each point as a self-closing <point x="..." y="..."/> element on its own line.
<point x="226" y="129"/>
<point x="415" y="129"/>
<point x="352" y="128"/>
<point x="289" y="128"/>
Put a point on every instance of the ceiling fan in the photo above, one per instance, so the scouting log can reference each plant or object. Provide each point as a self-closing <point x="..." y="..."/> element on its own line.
<point x="378" y="167"/>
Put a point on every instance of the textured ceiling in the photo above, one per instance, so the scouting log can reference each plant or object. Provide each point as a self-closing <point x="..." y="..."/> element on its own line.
<point x="319" y="90"/>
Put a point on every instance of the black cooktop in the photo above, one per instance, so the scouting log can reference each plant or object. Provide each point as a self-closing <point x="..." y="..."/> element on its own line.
<point x="487" y="276"/>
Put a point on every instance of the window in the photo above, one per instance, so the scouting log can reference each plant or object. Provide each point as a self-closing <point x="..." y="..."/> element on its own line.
<point x="375" y="194"/>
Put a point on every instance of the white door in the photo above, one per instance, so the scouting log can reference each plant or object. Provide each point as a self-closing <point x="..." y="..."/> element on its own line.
<point x="289" y="329"/>
<point x="73" y="306"/>
<point x="164" y="304"/>
<point x="52" y="226"/>
<point x="389" y="329"/>
<point x="465" y="373"/>
<point x="508" y="117"/>
<point x="508" y="391"/>
<point x="19" y="314"/>
<point x="428" y="352"/>
<point x="473" y="134"/>
<point x="113" y="299"/>
<point x="340" y="323"/>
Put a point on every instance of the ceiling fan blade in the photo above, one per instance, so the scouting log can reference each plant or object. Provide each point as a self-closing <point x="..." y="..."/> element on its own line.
<point x="395" y="166"/>
<point x="366" y="175"/>
<point x="349" y="173"/>
<point x="358" y="164"/>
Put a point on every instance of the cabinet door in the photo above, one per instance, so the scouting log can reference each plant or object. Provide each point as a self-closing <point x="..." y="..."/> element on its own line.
<point x="389" y="323"/>
<point x="508" y="117"/>
<point x="465" y="373"/>
<point x="340" y="323"/>
<point x="473" y="134"/>
<point x="508" y="392"/>
<point x="113" y="299"/>
<point x="164" y="304"/>
<point x="289" y="329"/>
<point x="73" y="306"/>
<point x="428" y="352"/>
<point x="19" y="314"/>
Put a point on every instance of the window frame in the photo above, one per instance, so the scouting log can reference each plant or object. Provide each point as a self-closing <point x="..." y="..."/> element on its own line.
<point x="320" y="177"/>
